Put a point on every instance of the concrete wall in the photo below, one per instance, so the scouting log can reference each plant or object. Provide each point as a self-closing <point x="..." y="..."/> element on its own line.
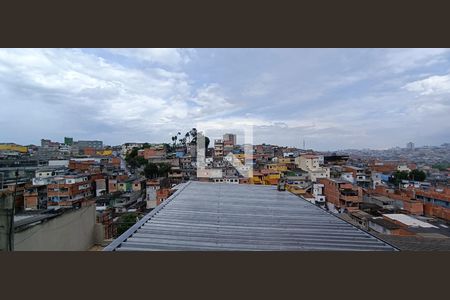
<point x="72" y="231"/>
<point x="6" y="205"/>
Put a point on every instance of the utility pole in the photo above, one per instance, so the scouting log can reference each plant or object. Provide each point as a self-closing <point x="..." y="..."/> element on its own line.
<point x="6" y="220"/>
<point x="11" y="226"/>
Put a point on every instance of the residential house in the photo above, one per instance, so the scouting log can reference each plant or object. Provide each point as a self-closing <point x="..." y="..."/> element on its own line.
<point x="341" y="195"/>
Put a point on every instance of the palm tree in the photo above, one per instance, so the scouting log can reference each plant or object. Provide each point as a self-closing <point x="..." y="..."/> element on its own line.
<point x="193" y="134"/>
<point x="174" y="140"/>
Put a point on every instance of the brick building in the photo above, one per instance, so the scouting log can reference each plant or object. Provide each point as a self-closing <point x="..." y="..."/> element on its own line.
<point x="341" y="194"/>
<point x="35" y="197"/>
<point x="69" y="190"/>
<point x="436" y="202"/>
<point x="405" y="199"/>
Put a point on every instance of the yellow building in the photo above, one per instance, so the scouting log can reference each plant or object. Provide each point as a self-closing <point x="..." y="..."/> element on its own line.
<point x="257" y="179"/>
<point x="272" y="179"/>
<point x="242" y="157"/>
<point x="295" y="189"/>
<point x="277" y="167"/>
<point x="104" y="152"/>
<point x="12" y="147"/>
<point x="286" y="160"/>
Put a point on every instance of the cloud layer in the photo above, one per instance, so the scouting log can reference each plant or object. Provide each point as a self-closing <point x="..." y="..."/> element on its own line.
<point x="332" y="98"/>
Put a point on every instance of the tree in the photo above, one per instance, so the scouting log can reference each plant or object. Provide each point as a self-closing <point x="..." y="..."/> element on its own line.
<point x="164" y="183"/>
<point x="175" y="138"/>
<point x="442" y="166"/>
<point x="134" y="160"/>
<point x="206" y="142"/>
<point x="164" y="169"/>
<point x="417" y="175"/>
<point x="146" y="145"/>
<point x="398" y="176"/>
<point x="125" y="221"/>
<point x="151" y="171"/>
<point x="193" y="134"/>
<point x="183" y="142"/>
<point x="168" y="147"/>
<point x="141" y="161"/>
<point x="133" y="153"/>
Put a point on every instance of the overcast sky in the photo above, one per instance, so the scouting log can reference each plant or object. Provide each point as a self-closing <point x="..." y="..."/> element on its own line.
<point x="332" y="98"/>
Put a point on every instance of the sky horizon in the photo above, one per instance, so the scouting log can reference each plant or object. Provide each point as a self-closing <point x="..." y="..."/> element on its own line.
<point x="333" y="98"/>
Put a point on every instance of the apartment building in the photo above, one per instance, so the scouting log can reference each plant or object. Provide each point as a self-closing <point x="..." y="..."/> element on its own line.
<point x="359" y="175"/>
<point x="404" y="199"/>
<point x="313" y="165"/>
<point x="127" y="147"/>
<point x="130" y="185"/>
<point x="151" y="153"/>
<point x="218" y="149"/>
<point x="35" y="197"/>
<point x="84" y="165"/>
<point x="97" y="145"/>
<point x="229" y="139"/>
<point x="341" y="195"/>
<point x="68" y="190"/>
<point x="436" y="202"/>
<point x="229" y="142"/>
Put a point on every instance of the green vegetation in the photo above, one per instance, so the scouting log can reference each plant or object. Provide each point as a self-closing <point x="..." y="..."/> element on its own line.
<point x="125" y="221"/>
<point x="162" y="170"/>
<point x="189" y="137"/>
<point x="134" y="160"/>
<point x="442" y="166"/>
<point x="152" y="170"/>
<point x="415" y="175"/>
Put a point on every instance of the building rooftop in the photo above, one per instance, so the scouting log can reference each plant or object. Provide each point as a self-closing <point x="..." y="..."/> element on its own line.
<point x="408" y="220"/>
<point x="385" y="223"/>
<point x="382" y="198"/>
<point x="417" y="243"/>
<point x="336" y="180"/>
<point x="211" y="216"/>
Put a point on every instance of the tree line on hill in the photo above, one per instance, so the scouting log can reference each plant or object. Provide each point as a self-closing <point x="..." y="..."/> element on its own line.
<point x="151" y="170"/>
<point x="155" y="170"/>
<point x="415" y="175"/>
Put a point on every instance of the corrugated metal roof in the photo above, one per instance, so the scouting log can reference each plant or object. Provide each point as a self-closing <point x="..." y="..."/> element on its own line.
<point x="214" y="216"/>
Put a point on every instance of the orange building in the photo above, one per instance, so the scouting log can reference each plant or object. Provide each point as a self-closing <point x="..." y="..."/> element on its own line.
<point x="436" y="202"/>
<point x="69" y="190"/>
<point x="410" y="204"/>
<point x="35" y="197"/>
<point x="341" y="193"/>
<point x="161" y="195"/>
<point x="151" y="153"/>
<point x="89" y="151"/>
<point x="83" y="166"/>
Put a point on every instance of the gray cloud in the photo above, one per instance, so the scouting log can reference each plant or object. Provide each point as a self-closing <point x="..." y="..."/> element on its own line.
<point x="333" y="98"/>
